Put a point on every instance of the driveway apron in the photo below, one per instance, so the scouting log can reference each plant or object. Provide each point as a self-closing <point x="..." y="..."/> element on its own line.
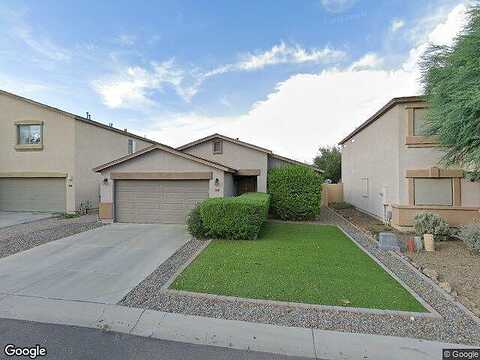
<point x="100" y="265"/>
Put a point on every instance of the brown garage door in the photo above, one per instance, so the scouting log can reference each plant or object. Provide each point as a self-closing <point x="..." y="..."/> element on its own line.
<point x="32" y="194"/>
<point x="157" y="201"/>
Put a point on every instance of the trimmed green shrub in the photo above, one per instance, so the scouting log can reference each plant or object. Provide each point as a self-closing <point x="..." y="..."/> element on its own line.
<point x="195" y="224"/>
<point x="295" y="192"/>
<point x="236" y="218"/>
<point x="470" y="235"/>
<point x="430" y="223"/>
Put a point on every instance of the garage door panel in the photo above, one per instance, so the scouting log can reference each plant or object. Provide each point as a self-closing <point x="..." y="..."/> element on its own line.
<point x="32" y="194"/>
<point x="157" y="201"/>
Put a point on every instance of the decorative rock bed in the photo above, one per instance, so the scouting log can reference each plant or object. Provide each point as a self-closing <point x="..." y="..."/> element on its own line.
<point x="22" y="237"/>
<point x="455" y="324"/>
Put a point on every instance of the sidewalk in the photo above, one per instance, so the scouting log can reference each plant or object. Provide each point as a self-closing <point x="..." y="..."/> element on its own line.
<point x="291" y="341"/>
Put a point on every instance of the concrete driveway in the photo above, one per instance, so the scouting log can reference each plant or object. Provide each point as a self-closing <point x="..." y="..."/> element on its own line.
<point x="100" y="265"/>
<point x="9" y="218"/>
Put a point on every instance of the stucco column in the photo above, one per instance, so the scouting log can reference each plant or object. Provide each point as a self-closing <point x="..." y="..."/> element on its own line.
<point x="105" y="208"/>
<point x="216" y="184"/>
<point x="70" y="194"/>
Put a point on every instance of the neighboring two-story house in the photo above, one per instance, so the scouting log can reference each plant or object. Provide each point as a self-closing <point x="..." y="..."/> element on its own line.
<point x="47" y="156"/>
<point x="162" y="184"/>
<point x="391" y="170"/>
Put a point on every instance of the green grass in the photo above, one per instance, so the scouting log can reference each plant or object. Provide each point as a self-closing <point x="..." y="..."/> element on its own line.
<point x="314" y="264"/>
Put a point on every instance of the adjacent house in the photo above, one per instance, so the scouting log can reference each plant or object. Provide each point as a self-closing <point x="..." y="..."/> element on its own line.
<point x="391" y="170"/>
<point x="252" y="162"/>
<point x="47" y="156"/>
<point x="160" y="184"/>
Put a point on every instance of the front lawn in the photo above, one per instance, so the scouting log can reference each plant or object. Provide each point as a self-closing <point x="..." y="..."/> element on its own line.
<point x="314" y="264"/>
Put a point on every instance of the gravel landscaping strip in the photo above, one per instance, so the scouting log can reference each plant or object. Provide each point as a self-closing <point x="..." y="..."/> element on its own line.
<point x="457" y="325"/>
<point x="26" y="236"/>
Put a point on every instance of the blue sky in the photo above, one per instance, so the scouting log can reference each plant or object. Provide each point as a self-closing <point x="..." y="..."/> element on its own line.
<point x="287" y="75"/>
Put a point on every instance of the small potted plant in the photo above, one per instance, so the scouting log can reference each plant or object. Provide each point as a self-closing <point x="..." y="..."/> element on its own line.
<point x="430" y="226"/>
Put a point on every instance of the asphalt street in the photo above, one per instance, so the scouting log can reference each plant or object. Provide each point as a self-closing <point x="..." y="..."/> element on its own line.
<point x="70" y="343"/>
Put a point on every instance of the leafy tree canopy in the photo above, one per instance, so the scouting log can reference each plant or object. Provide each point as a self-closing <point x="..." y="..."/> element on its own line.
<point x="451" y="80"/>
<point x="329" y="159"/>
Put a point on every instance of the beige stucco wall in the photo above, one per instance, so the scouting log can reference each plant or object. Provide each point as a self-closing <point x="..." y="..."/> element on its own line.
<point x="412" y="158"/>
<point x="470" y="193"/>
<point x="69" y="146"/>
<point x="57" y="154"/>
<point x="379" y="152"/>
<point x="374" y="154"/>
<point x="160" y="161"/>
<point x="229" y="187"/>
<point x="236" y="156"/>
<point x="94" y="146"/>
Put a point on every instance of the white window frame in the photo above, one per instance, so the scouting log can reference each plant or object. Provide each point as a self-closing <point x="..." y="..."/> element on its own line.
<point x="133" y="146"/>
<point x="365" y="187"/>
<point x="220" y="144"/>
<point x="20" y="146"/>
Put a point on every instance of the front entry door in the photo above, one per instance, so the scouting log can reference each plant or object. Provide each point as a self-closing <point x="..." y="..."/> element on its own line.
<point x="247" y="184"/>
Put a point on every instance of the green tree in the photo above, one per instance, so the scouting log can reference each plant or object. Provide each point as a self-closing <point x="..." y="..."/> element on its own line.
<point x="329" y="159"/>
<point x="451" y="81"/>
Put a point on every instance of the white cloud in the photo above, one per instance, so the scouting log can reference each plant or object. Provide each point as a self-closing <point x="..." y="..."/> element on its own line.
<point x="42" y="46"/>
<point x="132" y="86"/>
<point x="284" y="54"/>
<point x="304" y="112"/>
<point x="279" y="54"/>
<point x="443" y="33"/>
<point x="368" y="61"/>
<point x="309" y="110"/>
<point x="396" y="25"/>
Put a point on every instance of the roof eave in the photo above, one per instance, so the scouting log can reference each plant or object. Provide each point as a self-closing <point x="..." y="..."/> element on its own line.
<point x="166" y="148"/>
<point x="225" y="138"/>
<point x="393" y="102"/>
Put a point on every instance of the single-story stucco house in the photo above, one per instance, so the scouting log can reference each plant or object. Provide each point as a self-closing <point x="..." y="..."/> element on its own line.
<point x="47" y="155"/>
<point x="391" y="170"/>
<point x="161" y="184"/>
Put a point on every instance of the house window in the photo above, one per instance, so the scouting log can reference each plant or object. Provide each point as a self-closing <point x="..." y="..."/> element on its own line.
<point x="29" y="134"/>
<point x="419" y="122"/>
<point x="131" y="146"/>
<point x="364" y="187"/>
<point x="433" y="191"/>
<point x="217" y="146"/>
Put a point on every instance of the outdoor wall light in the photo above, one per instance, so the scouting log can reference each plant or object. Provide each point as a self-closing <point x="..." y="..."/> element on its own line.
<point x="217" y="182"/>
<point x="105" y="181"/>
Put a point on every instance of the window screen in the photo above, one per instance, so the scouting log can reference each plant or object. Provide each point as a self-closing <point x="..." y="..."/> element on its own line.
<point x="29" y="134"/>
<point x="217" y="147"/>
<point x="433" y="191"/>
<point x="364" y="187"/>
<point x="131" y="146"/>
<point x="419" y="122"/>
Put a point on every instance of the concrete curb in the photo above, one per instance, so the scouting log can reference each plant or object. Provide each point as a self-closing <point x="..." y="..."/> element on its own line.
<point x="241" y="335"/>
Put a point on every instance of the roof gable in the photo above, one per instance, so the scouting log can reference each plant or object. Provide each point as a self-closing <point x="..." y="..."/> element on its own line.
<point x="167" y="149"/>
<point x="77" y="117"/>
<point x="225" y="138"/>
<point x="379" y="113"/>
